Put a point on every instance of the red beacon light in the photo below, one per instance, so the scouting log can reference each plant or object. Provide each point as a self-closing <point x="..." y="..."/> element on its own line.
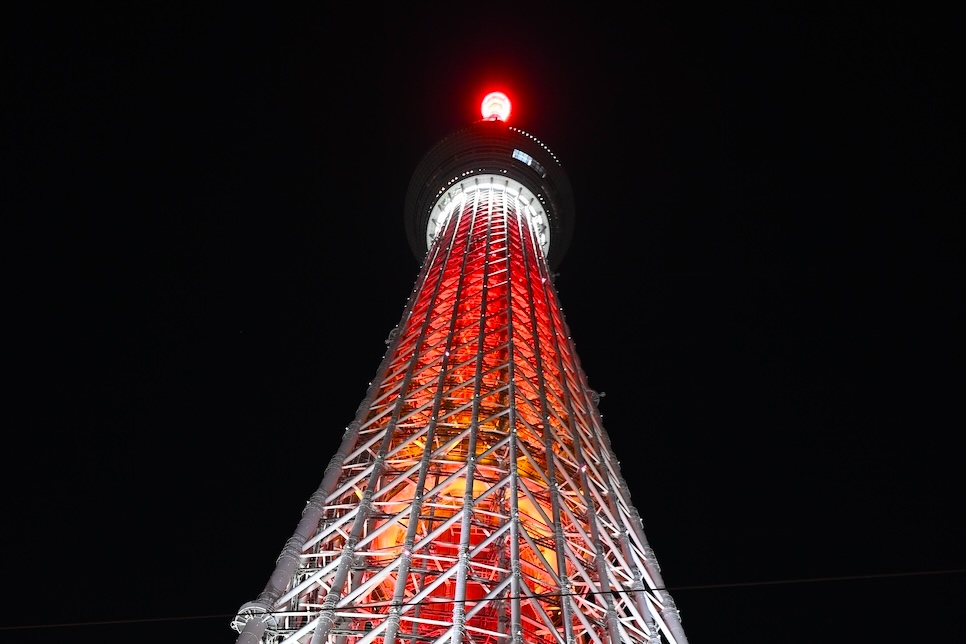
<point x="495" y="107"/>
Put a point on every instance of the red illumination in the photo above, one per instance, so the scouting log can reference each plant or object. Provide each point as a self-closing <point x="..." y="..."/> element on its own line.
<point x="496" y="107"/>
<point x="467" y="363"/>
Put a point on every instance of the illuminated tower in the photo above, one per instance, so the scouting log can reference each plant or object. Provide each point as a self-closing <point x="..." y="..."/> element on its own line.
<point x="474" y="498"/>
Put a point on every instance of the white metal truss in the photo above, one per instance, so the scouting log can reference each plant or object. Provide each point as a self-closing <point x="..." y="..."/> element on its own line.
<point x="475" y="497"/>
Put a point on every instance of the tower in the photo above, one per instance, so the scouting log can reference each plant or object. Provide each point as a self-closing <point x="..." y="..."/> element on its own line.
<point x="474" y="497"/>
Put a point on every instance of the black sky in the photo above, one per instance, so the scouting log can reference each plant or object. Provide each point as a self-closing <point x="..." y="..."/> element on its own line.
<point x="206" y="251"/>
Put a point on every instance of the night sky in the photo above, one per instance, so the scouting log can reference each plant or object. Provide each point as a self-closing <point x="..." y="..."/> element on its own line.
<point x="205" y="250"/>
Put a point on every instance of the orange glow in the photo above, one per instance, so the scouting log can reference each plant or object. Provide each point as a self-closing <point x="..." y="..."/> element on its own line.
<point x="453" y="344"/>
<point x="496" y="106"/>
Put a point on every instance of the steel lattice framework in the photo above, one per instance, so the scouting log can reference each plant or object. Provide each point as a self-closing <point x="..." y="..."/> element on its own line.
<point x="475" y="497"/>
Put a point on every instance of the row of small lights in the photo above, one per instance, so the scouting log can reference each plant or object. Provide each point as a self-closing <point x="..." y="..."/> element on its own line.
<point x="457" y="178"/>
<point x="468" y="172"/>
<point x="537" y="141"/>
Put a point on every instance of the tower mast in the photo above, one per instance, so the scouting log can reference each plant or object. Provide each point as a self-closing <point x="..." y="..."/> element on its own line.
<point x="475" y="497"/>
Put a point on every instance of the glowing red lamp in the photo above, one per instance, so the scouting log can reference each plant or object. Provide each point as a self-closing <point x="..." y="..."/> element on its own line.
<point x="495" y="107"/>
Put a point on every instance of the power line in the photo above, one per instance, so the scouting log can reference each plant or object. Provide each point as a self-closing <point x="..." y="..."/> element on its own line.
<point x="808" y="580"/>
<point x="113" y="622"/>
<point x="779" y="582"/>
